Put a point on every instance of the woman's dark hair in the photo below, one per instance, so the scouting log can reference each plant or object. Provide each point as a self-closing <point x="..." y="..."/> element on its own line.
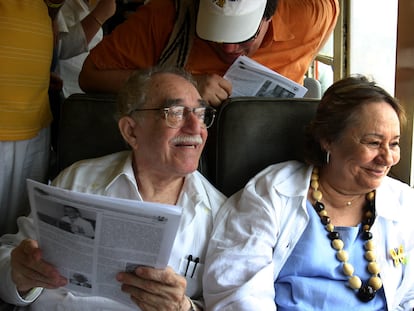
<point x="339" y="107"/>
<point x="270" y="9"/>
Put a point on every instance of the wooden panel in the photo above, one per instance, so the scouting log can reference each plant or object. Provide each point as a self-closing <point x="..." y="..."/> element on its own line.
<point x="404" y="88"/>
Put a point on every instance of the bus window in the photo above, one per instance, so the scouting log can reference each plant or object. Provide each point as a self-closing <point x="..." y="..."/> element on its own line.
<point x="372" y="40"/>
<point x="361" y="43"/>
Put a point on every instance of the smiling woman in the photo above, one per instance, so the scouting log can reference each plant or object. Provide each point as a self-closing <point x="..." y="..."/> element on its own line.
<point x="291" y="239"/>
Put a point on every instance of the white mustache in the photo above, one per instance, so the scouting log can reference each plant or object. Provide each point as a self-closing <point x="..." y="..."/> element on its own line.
<point x="187" y="140"/>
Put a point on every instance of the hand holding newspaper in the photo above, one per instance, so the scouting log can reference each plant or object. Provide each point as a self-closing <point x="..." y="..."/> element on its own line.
<point x="108" y="235"/>
<point x="249" y="78"/>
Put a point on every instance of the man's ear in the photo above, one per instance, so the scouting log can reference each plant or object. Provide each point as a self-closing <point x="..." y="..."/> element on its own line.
<point x="127" y="127"/>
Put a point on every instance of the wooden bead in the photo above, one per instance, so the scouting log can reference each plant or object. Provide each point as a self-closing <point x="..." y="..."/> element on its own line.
<point x="325" y="219"/>
<point x="318" y="207"/>
<point x="323" y="213"/>
<point x="333" y="235"/>
<point x="375" y="282"/>
<point x="370" y="256"/>
<point x="373" y="267"/>
<point x="370" y="196"/>
<point x="369" y="214"/>
<point x="348" y="269"/>
<point x="317" y="195"/>
<point x="355" y="282"/>
<point x="366" y="235"/>
<point x="366" y="293"/>
<point x="342" y="255"/>
<point x="369" y="245"/>
<point x="315" y="184"/>
<point x="330" y="227"/>
<point x="337" y="244"/>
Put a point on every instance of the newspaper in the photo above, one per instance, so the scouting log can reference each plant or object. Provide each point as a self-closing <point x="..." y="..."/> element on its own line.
<point x="249" y="78"/>
<point x="112" y="235"/>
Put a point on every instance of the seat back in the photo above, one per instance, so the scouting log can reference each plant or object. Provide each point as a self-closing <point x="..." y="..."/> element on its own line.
<point x="252" y="133"/>
<point x="87" y="129"/>
<point x="249" y="134"/>
<point x="314" y="88"/>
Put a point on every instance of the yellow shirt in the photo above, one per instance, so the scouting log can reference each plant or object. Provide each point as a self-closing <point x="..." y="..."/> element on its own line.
<point x="26" y="46"/>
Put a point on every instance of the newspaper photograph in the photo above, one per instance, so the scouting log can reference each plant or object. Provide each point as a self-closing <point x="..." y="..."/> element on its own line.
<point x="90" y="238"/>
<point x="249" y="78"/>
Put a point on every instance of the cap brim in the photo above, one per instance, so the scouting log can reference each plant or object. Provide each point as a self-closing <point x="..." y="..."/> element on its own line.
<point x="225" y="28"/>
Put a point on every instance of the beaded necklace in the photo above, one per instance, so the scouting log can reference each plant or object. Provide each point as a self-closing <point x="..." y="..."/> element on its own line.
<point x="365" y="291"/>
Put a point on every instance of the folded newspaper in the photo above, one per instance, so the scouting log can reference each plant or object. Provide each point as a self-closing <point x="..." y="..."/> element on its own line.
<point x="90" y="238"/>
<point x="249" y="78"/>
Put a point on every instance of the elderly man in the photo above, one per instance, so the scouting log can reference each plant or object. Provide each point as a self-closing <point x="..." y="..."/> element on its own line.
<point x="164" y="120"/>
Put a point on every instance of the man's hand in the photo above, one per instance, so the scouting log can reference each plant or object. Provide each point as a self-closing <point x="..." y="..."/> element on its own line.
<point x="154" y="289"/>
<point x="213" y="88"/>
<point x="29" y="270"/>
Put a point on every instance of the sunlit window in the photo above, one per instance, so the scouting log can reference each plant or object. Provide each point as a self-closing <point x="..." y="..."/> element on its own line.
<point x="323" y="66"/>
<point x="364" y="42"/>
<point x="372" y="40"/>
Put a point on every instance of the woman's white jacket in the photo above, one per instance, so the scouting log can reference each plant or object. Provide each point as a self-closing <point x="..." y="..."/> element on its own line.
<point x="262" y="223"/>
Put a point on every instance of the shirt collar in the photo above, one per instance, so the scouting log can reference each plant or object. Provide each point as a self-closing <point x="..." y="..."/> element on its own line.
<point x="298" y="175"/>
<point x="192" y="190"/>
<point x="123" y="172"/>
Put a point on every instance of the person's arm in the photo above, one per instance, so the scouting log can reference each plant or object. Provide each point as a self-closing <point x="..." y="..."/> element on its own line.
<point x="99" y="15"/>
<point x="156" y="289"/>
<point x="74" y="39"/>
<point x="238" y="272"/>
<point x="92" y="79"/>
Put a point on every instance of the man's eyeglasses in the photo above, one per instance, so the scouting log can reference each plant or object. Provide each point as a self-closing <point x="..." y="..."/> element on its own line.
<point x="176" y="115"/>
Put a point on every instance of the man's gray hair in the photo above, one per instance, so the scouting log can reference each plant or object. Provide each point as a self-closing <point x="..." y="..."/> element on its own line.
<point x="134" y="93"/>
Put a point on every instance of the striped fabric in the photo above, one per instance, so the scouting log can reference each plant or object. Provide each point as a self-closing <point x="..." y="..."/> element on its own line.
<point x="26" y="47"/>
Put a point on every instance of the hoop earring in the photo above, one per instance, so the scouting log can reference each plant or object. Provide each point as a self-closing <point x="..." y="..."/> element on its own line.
<point x="328" y="156"/>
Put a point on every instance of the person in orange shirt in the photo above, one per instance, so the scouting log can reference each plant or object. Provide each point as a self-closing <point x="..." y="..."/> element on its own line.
<point x="284" y="35"/>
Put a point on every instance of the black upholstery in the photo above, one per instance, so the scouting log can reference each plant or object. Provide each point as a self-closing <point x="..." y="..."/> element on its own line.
<point x="87" y="129"/>
<point x="249" y="133"/>
<point x="252" y="133"/>
<point x="5" y="306"/>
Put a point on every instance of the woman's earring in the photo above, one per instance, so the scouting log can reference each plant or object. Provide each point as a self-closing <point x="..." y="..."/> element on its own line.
<point x="328" y="156"/>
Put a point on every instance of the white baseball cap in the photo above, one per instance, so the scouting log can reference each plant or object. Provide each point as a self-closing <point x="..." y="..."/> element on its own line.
<point x="229" y="21"/>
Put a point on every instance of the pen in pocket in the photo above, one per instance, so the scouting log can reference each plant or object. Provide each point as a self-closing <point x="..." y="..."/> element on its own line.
<point x="191" y="265"/>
